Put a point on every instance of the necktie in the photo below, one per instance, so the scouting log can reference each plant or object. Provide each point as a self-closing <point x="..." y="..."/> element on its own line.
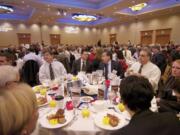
<point x="125" y="53"/>
<point x="106" y="71"/>
<point x="84" y="66"/>
<point x="140" y="69"/>
<point x="51" y="72"/>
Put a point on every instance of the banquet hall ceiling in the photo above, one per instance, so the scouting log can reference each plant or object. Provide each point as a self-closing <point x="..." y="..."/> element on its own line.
<point x="109" y="11"/>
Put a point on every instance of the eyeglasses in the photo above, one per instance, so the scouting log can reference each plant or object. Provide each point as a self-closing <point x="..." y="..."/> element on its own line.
<point x="175" y="67"/>
<point x="141" y="55"/>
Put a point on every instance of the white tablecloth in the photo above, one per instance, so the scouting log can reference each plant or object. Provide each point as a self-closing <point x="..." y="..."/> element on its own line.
<point x="78" y="126"/>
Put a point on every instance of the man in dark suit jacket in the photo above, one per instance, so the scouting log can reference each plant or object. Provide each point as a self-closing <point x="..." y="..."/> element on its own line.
<point x="82" y="64"/>
<point x="136" y="93"/>
<point x="150" y="123"/>
<point x="159" y="59"/>
<point x="111" y="65"/>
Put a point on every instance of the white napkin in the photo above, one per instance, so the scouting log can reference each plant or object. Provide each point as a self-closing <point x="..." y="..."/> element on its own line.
<point x="92" y="89"/>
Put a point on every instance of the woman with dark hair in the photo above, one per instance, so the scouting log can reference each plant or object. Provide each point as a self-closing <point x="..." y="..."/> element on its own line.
<point x="136" y="94"/>
<point x="122" y="60"/>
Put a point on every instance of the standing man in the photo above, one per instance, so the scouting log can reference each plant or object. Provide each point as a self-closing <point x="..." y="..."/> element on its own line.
<point x="51" y="69"/>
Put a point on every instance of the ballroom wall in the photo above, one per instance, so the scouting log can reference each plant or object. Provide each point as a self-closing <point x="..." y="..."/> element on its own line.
<point x="69" y="34"/>
<point x="87" y="36"/>
<point x="131" y="31"/>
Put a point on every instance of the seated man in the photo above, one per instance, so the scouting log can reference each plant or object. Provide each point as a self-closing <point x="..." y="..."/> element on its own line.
<point x="7" y="58"/>
<point x="127" y="53"/>
<point x="82" y="64"/>
<point x="144" y="67"/>
<point x="51" y="69"/>
<point x="158" y="58"/>
<point x="109" y="66"/>
<point x="136" y="94"/>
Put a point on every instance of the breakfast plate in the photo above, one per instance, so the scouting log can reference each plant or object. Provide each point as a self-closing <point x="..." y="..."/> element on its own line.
<point x="86" y="99"/>
<point x="52" y="121"/>
<point x="110" y="120"/>
<point x="38" y="88"/>
<point x="42" y="101"/>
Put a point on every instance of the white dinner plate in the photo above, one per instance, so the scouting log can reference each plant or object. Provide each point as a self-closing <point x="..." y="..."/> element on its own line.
<point x="40" y="87"/>
<point x="36" y="87"/>
<point x="45" y="104"/>
<point x="98" y="120"/>
<point x="86" y="99"/>
<point x="45" y="123"/>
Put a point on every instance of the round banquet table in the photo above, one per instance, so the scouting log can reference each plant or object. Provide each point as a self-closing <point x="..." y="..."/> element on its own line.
<point x="78" y="126"/>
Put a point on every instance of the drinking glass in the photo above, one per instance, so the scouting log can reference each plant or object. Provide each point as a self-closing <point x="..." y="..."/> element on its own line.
<point x="111" y="96"/>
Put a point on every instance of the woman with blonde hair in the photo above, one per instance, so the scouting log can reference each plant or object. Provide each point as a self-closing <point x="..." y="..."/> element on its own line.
<point x="18" y="109"/>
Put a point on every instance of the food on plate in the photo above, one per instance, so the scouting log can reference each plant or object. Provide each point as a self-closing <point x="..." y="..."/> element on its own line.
<point x="38" y="88"/>
<point x="121" y="107"/>
<point x="52" y="103"/>
<point x="43" y="92"/>
<point x="74" y="78"/>
<point x="111" y="120"/>
<point x="41" y="100"/>
<point x="57" y="118"/>
<point x="85" y="113"/>
<point x="106" y="120"/>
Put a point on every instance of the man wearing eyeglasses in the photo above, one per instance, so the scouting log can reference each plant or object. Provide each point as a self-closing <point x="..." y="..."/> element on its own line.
<point x="144" y="67"/>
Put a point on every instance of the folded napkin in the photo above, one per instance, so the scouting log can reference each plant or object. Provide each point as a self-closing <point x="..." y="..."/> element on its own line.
<point x="90" y="89"/>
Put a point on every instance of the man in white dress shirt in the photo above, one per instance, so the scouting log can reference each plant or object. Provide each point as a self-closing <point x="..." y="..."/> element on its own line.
<point x="51" y="69"/>
<point x="144" y="67"/>
<point x="127" y="53"/>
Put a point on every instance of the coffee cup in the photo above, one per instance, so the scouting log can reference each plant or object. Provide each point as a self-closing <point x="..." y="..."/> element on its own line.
<point x="99" y="105"/>
<point x="60" y="101"/>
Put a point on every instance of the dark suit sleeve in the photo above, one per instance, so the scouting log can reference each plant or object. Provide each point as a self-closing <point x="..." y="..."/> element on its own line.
<point x="101" y="66"/>
<point x="89" y="68"/>
<point x="74" y="68"/>
<point x="119" y="69"/>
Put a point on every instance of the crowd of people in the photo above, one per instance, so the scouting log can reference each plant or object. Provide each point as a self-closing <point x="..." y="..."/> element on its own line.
<point x="145" y="72"/>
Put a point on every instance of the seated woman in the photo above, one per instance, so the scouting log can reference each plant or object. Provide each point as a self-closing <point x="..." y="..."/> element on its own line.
<point x="167" y="90"/>
<point x="18" y="107"/>
<point x="122" y="60"/>
<point x="171" y="104"/>
<point x="136" y="93"/>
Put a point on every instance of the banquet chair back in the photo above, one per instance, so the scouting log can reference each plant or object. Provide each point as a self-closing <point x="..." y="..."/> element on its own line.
<point x="30" y="72"/>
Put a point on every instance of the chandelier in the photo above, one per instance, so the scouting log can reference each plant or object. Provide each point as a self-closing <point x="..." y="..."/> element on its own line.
<point x="84" y="17"/>
<point x="138" y="7"/>
<point x="6" y="9"/>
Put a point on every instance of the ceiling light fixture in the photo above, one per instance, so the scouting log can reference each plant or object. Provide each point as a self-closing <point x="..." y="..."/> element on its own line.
<point x="84" y="17"/>
<point x="6" y="9"/>
<point x="138" y="7"/>
<point x="61" y="12"/>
